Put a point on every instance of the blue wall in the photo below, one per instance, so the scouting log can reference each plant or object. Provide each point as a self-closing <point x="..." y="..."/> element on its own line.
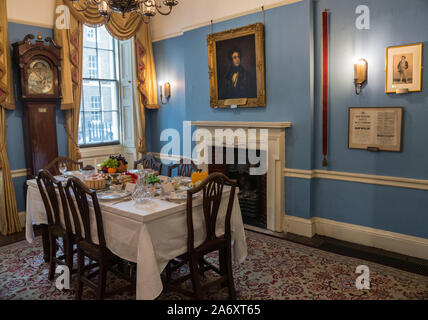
<point x="14" y="119"/>
<point x="293" y="78"/>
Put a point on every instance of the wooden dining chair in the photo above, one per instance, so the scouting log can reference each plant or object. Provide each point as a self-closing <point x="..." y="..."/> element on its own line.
<point x="47" y="186"/>
<point x="78" y="192"/>
<point x="52" y="167"/>
<point x="212" y="193"/>
<point x="183" y="169"/>
<point x="149" y="162"/>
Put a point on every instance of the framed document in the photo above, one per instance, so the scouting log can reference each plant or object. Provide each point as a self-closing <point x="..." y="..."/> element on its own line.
<point x="375" y="129"/>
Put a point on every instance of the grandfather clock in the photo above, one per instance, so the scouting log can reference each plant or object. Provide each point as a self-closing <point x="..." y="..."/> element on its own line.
<point x="39" y="66"/>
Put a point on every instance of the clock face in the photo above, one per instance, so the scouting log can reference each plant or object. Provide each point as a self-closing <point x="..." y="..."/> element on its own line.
<point x="40" y="77"/>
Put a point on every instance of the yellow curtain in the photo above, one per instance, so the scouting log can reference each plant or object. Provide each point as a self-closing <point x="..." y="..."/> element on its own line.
<point x="9" y="221"/>
<point x="70" y="39"/>
<point x="146" y="80"/>
<point x="121" y="28"/>
<point x="6" y="83"/>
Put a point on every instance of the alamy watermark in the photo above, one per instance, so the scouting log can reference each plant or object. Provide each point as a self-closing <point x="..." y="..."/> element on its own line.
<point x="363" y="281"/>
<point x="220" y="146"/>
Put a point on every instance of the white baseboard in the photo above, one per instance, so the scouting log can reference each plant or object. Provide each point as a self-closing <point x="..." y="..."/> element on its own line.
<point x="300" y="226"/>
<point x="386" y="240"/>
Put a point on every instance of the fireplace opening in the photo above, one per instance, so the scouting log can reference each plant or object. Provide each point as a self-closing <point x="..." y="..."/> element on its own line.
<point x="252" y="188"/>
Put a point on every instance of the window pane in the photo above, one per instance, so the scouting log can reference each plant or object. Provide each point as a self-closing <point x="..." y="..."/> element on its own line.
<point x="90" y="69"/>
<point x="105" y="40"/>
<point x="111" y="122"/>
<point x="109" y="95"/>
<point x="99" y="117"/>
<point x="89" y="37"/>
<point x="106" y="64"/>
<point x="91" y="93"/>
<point x="81" y="133"/>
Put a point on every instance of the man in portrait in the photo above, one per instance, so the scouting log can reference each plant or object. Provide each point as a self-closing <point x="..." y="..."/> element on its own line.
<point x="235" y="83"/>
<point x="402" y="67"/>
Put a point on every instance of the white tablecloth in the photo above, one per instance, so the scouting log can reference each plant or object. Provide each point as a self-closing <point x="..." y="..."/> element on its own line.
<point x="150" y="235"/>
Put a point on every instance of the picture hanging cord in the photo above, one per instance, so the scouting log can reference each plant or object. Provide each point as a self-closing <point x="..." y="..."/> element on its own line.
<point x="263" y="14"/>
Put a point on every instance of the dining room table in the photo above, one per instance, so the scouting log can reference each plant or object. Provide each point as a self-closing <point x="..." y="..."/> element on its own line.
<point x="149" y="234"/>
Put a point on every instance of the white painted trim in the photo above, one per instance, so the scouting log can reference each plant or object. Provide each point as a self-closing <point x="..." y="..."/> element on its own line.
<point x="92" y="152"/>
<point x="19" y="173"/>
<point x="32" y="23"/>
<point x="381" y="239"/>
<point x="400" y="182"/>
<point x="229" y="17"/>
<point x="300" y="226"/>
<point x="298" y="173"/>
<point x="241" y="124"/>
<point x="166" y="156"/>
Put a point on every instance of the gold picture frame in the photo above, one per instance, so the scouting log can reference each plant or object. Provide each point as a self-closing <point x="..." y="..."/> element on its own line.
<point x="236" y="61"/>
<point x="403" y="68"/>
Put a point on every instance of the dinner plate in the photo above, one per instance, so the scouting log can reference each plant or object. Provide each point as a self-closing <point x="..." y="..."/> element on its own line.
<point x="113" y="195"/>
<point x="177" y="196"/>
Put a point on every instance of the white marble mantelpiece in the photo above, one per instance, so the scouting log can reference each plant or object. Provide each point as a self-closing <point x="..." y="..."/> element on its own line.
<point x="275" y="194"/>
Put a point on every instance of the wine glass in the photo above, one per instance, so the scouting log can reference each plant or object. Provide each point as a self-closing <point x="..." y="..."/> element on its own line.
<point x="62" y="167"/>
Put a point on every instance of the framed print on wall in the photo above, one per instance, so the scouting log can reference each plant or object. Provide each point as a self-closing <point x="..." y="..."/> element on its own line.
<point x="404" y="68"/>
<point x="236" y="60"/>
<point x="375" y="129"/>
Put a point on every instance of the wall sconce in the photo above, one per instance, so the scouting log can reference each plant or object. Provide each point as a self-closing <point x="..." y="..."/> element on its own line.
<point x="166" y="93"/>
<point x="360" y="74"/>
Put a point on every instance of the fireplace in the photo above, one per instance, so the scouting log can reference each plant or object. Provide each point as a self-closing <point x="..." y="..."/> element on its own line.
<point x="273" y="206"/>
<point x="252" y="188"/>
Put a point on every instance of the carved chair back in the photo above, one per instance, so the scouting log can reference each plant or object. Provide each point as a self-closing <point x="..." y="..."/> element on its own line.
<point x="77" y="192"/>
<point x="212" y="193"/>
<point x="48" y="187"/>
<point x="183" y="169"/>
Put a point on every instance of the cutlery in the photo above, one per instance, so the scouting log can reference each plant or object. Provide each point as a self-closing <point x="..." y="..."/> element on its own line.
<point x="122" y="200"/>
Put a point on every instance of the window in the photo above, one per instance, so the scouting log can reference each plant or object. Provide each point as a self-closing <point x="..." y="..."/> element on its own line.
<point x="92" y="66"/>
<point x="99" y="113"/>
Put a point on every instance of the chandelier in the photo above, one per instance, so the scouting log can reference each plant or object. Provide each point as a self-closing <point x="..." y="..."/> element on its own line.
<point x="146" y="8"/>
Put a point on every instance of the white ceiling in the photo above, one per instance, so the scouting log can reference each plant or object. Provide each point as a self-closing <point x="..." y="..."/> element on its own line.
<point x="189" y="14"/>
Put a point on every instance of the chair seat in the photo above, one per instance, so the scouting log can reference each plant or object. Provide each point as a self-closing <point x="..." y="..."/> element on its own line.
<point x="96" y="252"/>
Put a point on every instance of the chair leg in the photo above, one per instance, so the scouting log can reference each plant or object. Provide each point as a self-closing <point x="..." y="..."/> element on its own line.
<point x="222" y="257"/>
<point x="201" y="266"/>
<point x="68" y="248"/>
<point x="231" y="284"/>
<point x="102" y="280"/>
<point x="52" y="256"/>
<point x="196" y="281"/>
<point x="80" y="267"/>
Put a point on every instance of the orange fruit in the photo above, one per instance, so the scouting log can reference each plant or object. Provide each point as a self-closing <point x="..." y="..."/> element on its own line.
<point x="112" y="170"/>
<point x="199" y="176"/>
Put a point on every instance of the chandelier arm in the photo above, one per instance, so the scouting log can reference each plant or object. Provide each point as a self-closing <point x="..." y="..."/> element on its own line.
<point x="163" y="13"/>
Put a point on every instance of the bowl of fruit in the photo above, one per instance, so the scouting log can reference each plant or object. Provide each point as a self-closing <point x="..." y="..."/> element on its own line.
<point x="114" y="164"/>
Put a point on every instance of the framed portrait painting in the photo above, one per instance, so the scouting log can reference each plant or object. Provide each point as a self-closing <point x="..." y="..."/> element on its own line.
<point x="236" y="62"/>
<point x="404" y="68"/>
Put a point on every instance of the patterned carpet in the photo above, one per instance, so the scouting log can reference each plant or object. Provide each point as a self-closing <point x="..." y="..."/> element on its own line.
<point x="274" y="269"/>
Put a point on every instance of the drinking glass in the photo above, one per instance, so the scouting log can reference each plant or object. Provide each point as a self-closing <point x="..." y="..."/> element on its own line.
<point x="62" y="167"/>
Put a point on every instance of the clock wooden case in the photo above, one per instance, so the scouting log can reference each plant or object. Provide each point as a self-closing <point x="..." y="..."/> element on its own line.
<point x="40" y="69"/>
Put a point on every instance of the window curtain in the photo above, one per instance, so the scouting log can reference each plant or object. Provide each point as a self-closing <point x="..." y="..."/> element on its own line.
<point x="121" y="28"/>
<point x="9" y="221"/>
